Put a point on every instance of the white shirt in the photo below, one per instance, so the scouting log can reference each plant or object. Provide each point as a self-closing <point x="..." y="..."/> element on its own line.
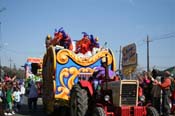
<point x="16" y="95"/>
<point x="23" y="90"/>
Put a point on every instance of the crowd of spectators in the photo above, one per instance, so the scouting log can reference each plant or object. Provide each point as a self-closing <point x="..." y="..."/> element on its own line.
<point x="157" y="91"/>
<point x="11" y="95"/>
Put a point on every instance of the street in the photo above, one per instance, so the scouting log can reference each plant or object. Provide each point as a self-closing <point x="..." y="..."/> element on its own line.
<point x="25" y="111"/>
<point x="39" y="112"/>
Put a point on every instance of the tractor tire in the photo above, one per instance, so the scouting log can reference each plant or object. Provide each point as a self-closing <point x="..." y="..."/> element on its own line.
<point x="78" y="101"/>
<point x="151" y="111"/>
<point x="99" y="112"/>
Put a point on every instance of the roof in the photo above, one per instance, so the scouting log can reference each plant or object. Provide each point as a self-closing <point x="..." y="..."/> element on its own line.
<point x="34" y="60"/>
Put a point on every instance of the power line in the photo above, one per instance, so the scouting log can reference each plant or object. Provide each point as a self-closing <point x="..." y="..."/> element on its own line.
<point x="168" y="37"/>
<point x="162" y="37"/>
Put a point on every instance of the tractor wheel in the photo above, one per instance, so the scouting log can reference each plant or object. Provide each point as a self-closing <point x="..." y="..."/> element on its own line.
<point x="99" y="112"/>
<point x="78" y="101"/>
<point x="151" y="111"/>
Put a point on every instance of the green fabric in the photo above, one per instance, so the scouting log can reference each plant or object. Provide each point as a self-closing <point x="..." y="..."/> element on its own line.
<point x="9" y="96"/>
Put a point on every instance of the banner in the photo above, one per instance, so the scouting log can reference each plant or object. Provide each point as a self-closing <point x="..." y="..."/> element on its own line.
<point x="129" y="59"/>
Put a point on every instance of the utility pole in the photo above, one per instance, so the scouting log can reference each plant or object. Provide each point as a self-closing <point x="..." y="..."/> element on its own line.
<point x="119" y="63"/>
<point x="120" y="60"/>
<point x="1" y="10"/>
<point x="10" y="60"/>
<point x="148" y="41"/>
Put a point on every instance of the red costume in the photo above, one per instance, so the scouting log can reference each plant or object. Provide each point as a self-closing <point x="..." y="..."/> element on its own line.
<point x="62" y="39"/>
<point x="83" y="45"/>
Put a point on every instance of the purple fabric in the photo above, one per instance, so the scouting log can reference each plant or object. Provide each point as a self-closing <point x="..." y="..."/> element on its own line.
<point x="102" y="72"/>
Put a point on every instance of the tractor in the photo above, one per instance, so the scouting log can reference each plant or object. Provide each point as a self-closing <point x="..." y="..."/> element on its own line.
<point x="94" y="96"/>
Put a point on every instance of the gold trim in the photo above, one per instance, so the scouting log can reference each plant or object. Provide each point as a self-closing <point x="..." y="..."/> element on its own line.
<point x="63" y="56"/>
<point x="65" y="73"/>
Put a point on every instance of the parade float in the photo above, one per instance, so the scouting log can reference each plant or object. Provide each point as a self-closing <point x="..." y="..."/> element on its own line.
<point x="80" y="75"/>
<point x="33" y="72"/>
<point x="65" y="63"/>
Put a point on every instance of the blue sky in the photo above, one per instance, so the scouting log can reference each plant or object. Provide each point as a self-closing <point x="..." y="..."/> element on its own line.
<point x="25" y="24"/>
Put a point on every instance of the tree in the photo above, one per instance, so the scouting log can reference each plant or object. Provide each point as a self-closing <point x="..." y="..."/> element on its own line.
<point x="20" y="73"/>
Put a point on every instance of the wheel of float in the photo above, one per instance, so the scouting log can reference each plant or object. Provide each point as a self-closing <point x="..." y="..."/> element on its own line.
<point x="51" y="59"/>
<point x="99" y="111"/>
<point x="78" y="101"/>
<point x="151" y="111"/>
<point x="48" y="72"/>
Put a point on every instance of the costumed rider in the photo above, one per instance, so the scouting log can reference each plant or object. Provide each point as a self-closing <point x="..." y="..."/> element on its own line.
<point x="62" y="39"/>
<point x="99" y="75"/>
<point x="83" y="45"/>
<point x="86" y="46"/>
<point x="94" y="47"/>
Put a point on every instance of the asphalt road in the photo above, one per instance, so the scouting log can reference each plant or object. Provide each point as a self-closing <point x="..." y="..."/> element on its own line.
<point x="40" y="111"/>
<point x="25" y="111"/>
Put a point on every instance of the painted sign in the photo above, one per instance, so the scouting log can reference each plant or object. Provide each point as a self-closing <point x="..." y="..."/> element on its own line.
<point x="129" y="55"/>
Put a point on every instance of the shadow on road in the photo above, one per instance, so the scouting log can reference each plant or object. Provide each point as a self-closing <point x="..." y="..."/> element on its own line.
<point x="26" y="112"/>
<point x="40" y="111"/>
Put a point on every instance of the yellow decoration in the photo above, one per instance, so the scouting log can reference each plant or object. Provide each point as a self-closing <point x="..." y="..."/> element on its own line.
<point x="63" y="57"/>
<point x="65" y="73"/>
<point x="128" y="70"/>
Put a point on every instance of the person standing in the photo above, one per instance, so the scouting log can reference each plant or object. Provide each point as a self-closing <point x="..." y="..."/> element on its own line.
<point x="165" y="86"/>
<point x="156" y="94"/>
<point x="33" y="96"/>
<point x="172" y="97"/>
<point x="9" y="99"/>
<point x="1" y="100"/>
<point x="16" y="96"/>
<point x="146" y="85"/>
<point x="23" y="91"/>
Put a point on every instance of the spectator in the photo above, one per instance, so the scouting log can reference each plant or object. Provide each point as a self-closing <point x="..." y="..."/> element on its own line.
<point x="165" y="86"/>
<point x="141" y="97"/>
<point x="22" y="90"/>
<point x="1" y="101"/>
<point x="156" y="94"/>
<point x="9" y="99"/>
<point x="17" y="98"/>
<point x="173" y="99"/>
<point x="1" y="91"/>
<point x="33" y="96"/>
<point x="146" y="87"/>
<point x="4" y="89"/>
